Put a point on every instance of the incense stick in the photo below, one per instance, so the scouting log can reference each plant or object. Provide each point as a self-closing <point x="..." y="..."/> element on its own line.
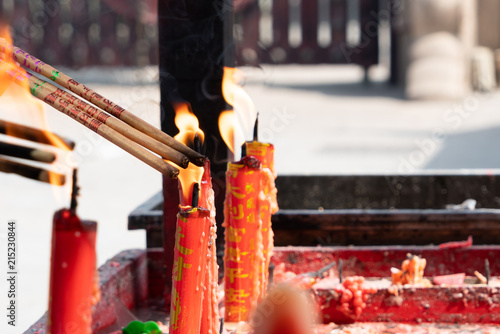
<point x="24" y="152"/>
<point x="31" y="134"/>
<point x="30" y="172"/>
<point x="97" y="126"/>
<point x="150" y="143"/>
<point x="62" y="79"/>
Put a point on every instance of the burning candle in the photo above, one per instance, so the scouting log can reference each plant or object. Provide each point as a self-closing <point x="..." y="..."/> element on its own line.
<point x="189" y="269"/>
<point x="243" y="238"/>
<point x="267" y="201"/>
<point x="174" y="194"/>
<point x="72" y="273"/>
<point x="250" y="202"/>
<point x="195" y="273"/>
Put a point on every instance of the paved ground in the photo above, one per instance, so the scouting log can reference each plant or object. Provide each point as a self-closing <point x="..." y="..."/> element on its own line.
<point x="322" y="119"/>
<point x="338" y="125"/>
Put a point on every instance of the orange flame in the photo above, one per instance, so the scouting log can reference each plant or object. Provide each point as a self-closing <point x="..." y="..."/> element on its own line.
<point x="188" y="126"/>
<point x="29" y="110"/>
<point x="7" y="61"/>
<point x="227" y="125"/>
<point x="236" y="125"/>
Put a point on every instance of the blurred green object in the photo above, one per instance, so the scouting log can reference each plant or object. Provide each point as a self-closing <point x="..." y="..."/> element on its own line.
<point x="137" y="327"/>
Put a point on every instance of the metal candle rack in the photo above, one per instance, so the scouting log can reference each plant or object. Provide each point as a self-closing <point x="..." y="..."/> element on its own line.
<point x="383" y="210"/>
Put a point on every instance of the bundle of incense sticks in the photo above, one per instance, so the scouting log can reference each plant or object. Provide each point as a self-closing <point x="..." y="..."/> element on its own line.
<point x="32" y="134"/>
<point x="113" y="122"/>
<point x="31" y="172"/>
<point x="15" y="158"/>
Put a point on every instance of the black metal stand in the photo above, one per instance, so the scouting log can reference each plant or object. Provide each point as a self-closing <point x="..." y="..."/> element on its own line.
<point x="195" y="43"/>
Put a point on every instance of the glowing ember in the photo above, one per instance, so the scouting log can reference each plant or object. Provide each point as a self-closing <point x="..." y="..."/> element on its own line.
<point x="188" y="126"/>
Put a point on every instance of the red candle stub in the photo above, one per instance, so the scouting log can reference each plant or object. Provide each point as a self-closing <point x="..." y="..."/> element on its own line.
<point x="188" y="274"/>
<point x="268" y="204"/>
<point x="243" y="238"/>
<point x="72" y="274"/>
<point x="262" y="151"/>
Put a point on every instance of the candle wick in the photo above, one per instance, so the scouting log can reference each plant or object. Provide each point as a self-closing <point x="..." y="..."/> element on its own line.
<point x="256" y="128"/>
<point x="74" y="191"/>
<point x="244" y="150"/>
<point x="271" y="273"/>
<point x="221" y="325"/>
<point x="487" y="271"/>
<point x="196" y="195"/>
<point x="340" y="267"/>
<point x="197" y="143"/>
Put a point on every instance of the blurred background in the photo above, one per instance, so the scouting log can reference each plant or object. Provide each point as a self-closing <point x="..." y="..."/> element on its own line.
<point x="342" y="87"/>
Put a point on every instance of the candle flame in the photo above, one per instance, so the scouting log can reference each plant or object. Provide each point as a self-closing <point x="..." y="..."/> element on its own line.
<point x="28" y="110"/>
<point x="187" y="123"/>
<point x="227" y="126"/>
<point x="188" y="126"/>
<point x="236" y="125"/>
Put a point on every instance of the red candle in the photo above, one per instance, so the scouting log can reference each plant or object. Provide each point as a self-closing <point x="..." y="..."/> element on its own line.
<point x="268" y="204"/>
<point x="72" y="274"/>
<point x="188" y="274"/>
<point x="243" y="238"/>
<point x="210" y="309"/>
<point x="191" y="274"/>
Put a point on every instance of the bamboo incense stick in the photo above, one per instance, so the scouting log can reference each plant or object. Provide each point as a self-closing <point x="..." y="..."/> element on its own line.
<point x="31" y="134"/>
<point x="34" y="173"/>
<point x="62" y="79"/>
<point x="109" y="134"/>
<point x="97" y="126"/>
<point x="146" y="141"/>
<point x="24" y="152"/>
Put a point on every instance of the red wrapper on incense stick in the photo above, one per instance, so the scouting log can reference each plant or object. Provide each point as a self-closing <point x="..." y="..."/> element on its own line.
<point x="188" y="274"/>
<point x="243" y="254"/>
<point x="72" y="274"/>
<point x="210" y="309"/>
<point x="268" y="203"/>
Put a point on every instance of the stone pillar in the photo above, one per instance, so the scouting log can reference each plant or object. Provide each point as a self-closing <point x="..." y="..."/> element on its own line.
<point x="441" y="35"/>
<point x="488" y="23"/>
